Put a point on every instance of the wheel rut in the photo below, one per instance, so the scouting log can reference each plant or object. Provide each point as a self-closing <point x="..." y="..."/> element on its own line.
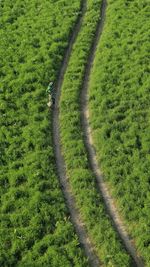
<point x="88" y="140"/>
<point x="74" y="213"/>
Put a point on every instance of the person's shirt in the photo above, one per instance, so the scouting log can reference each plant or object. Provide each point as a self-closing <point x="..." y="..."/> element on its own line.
<point x="49" y="89"/>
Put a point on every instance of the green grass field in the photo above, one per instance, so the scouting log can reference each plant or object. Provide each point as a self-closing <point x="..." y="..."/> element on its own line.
<point x="35" y="225"/>
<point x="35" y="228"/>
<point x="119" y="101"/>
<point x="84" y="187"/>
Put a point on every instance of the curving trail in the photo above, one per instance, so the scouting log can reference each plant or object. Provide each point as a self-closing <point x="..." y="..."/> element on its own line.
<point x="75" y="216"/>
<point x="109" y="203"/>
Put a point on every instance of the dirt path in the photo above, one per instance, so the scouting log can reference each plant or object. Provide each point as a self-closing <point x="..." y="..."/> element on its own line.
<point x="118" y="224"/>
<point x="75" y="216"/>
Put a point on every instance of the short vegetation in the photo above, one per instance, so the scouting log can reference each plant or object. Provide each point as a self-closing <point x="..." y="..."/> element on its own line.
<point x="120" y="113"/>
<point x="35" y="228"/>
<point x="107" y="244"/>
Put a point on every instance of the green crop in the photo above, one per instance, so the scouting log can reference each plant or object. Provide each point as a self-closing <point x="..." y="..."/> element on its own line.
<point x="35" y="228"/>
<point x="89" y="201"/>
<point x="120" y="113"/>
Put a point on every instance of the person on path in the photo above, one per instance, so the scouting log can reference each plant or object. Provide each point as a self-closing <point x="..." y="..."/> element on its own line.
<point x="50" y="91"/>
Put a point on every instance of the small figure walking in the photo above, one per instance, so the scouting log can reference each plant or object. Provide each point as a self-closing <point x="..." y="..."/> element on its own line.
<point x="50" y="92"/>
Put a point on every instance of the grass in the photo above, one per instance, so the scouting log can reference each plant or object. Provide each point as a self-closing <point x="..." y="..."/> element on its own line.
<point x="119" y="98"/>
<point x="89" y="201"/>
<point x="35" y="224"/>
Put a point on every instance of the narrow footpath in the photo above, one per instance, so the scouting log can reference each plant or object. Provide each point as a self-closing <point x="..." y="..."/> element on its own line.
<point x="74" y="213"/>
<point x="109" y="203"/>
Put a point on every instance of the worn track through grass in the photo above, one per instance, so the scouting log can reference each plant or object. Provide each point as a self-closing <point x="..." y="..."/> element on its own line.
<point x="109" y="203"/>
<point x="75" y="216"/>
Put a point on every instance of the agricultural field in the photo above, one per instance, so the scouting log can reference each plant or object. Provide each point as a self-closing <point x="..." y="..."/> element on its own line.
<point x="35" y="228"/>
<point x="119" y="102"/>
